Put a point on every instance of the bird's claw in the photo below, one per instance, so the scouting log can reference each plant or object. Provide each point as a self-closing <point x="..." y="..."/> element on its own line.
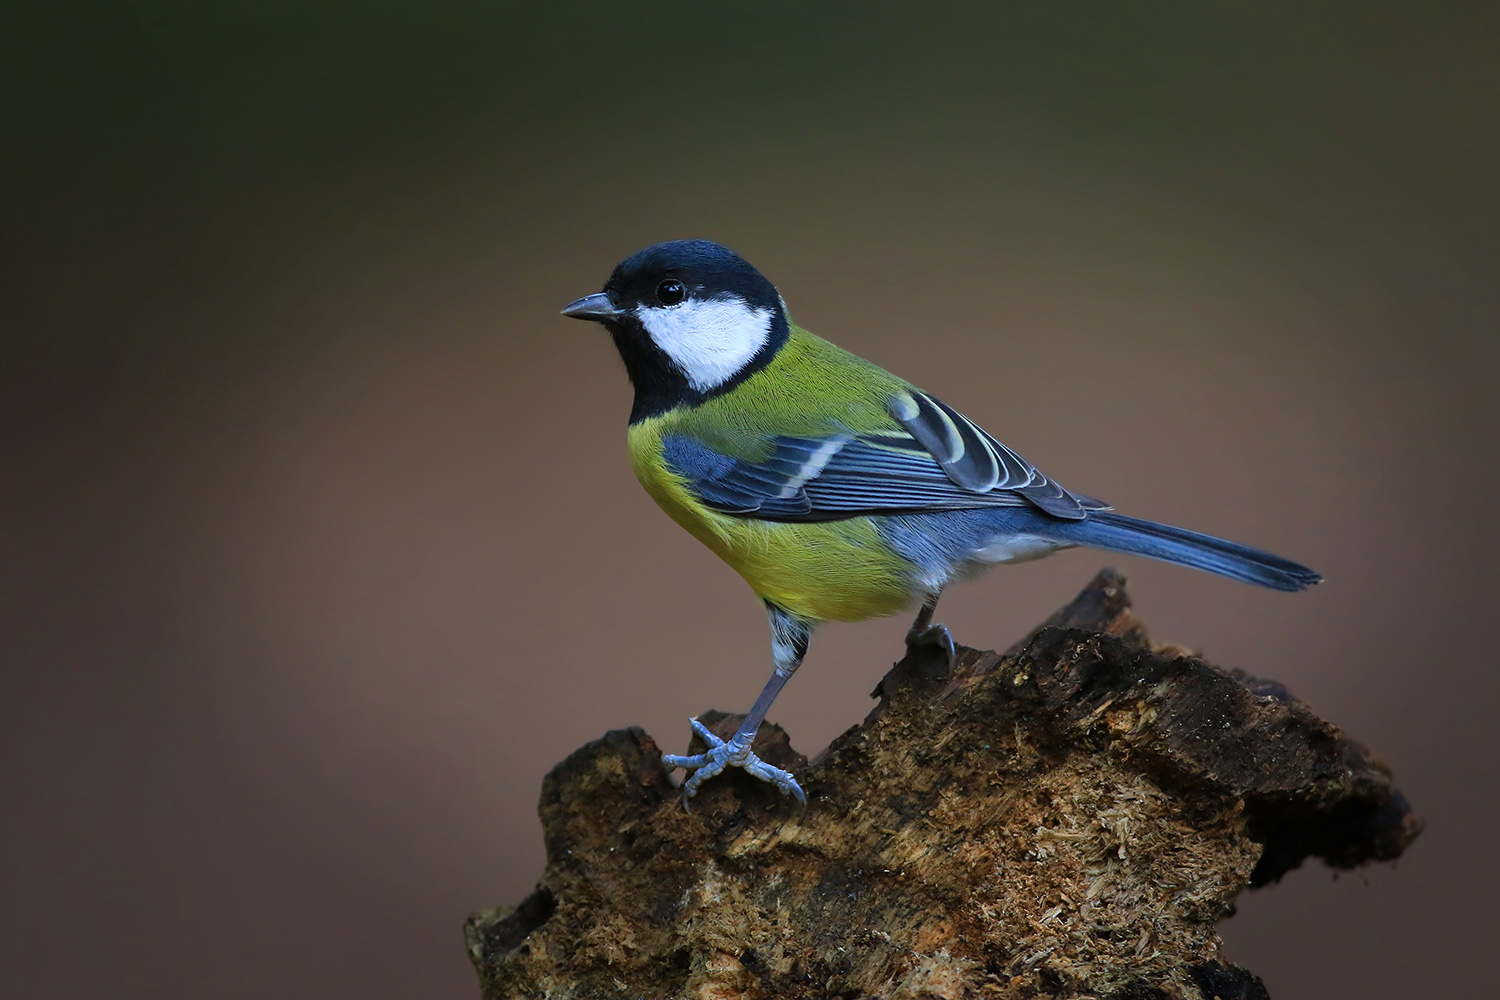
<point x="933" y="635"/>
<point x="729" y="753"/>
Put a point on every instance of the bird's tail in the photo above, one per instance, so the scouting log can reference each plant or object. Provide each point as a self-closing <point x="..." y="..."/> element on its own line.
<point x="1118" y="533"/>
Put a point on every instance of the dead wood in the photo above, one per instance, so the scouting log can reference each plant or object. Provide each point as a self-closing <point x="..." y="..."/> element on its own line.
<point x="1071" y="818"/>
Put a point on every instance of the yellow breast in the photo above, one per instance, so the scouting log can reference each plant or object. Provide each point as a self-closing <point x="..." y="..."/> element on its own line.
<point x="829" y="571"/>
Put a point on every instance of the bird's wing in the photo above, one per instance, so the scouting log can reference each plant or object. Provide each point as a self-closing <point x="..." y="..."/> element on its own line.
<point x="975" y="460"/>
<point x="850" y="475"/>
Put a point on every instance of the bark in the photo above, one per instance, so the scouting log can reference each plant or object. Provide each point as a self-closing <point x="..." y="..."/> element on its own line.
<point x="1070" y="818"/>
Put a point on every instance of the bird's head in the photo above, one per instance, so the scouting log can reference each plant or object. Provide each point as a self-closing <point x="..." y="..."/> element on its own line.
<point x="691" y="319"/>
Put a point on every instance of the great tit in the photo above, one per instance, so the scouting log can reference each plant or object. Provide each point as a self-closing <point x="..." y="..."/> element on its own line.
<point x="837" y="490"/>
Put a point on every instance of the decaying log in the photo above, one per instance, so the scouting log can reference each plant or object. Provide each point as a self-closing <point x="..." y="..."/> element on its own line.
<point x="1070" y="818"/>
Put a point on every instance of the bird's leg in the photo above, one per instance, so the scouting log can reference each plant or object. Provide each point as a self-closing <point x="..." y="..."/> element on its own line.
<point x="924" y="633"/>
<point x="789" y="638"/>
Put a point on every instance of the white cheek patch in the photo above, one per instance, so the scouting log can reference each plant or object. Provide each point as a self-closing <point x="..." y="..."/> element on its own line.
<point x="709" y="340"/>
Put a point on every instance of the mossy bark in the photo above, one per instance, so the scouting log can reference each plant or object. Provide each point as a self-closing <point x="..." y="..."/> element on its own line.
<point x="1070" y="818"/>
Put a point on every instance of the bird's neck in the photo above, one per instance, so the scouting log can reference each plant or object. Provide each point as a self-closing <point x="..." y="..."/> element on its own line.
<point x="660" y="383"/>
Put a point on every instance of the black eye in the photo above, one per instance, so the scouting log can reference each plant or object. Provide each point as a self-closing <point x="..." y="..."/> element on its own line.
<point x="671" y="292"/>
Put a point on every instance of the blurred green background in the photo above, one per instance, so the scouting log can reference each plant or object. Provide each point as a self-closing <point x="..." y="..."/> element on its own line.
<point x="319" y="542"/>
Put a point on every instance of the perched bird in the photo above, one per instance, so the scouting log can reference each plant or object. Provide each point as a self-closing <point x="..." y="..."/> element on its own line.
<point x="837" y="490"/>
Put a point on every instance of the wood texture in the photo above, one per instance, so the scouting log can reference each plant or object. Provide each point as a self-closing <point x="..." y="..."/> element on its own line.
<point x="1071" y="818"/>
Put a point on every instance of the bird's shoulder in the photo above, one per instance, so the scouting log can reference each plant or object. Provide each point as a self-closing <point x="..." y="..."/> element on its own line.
<point x="822" y="433"/>
<point x="811" y="389"/>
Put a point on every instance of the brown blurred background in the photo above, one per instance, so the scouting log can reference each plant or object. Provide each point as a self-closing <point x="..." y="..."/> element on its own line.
<point x="319" y="542"/>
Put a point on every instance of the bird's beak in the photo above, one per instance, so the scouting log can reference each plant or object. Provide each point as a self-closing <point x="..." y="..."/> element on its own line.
<point x="596" y="307"/>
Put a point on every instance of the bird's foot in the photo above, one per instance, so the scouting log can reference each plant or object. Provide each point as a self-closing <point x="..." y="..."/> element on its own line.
<point x="932" y="636"/>
<point x="729" y="753"/>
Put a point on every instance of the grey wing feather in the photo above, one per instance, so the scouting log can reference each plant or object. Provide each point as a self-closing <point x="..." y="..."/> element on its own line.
<point x="827" y="479"/>
<point x="976" y="461"/>
<point x="824" y="479"/>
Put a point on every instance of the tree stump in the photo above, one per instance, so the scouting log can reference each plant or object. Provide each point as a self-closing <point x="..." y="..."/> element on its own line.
<point x="1069" y="818"/>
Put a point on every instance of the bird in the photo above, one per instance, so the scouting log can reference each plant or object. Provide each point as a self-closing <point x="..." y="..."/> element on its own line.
<point x="837" y="490"/>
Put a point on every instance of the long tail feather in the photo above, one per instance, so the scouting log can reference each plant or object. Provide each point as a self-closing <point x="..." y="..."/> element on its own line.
<point x="1118" y="533"/>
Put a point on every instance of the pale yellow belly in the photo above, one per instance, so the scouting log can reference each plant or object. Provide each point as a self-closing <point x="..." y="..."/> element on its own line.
<point x="829" y="571"/>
